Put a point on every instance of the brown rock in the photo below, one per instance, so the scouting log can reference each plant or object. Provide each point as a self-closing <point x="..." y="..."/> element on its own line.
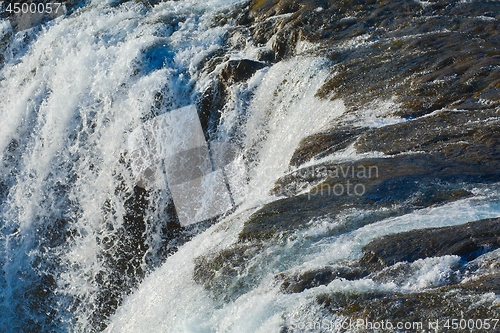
<point x="468" y="240"/>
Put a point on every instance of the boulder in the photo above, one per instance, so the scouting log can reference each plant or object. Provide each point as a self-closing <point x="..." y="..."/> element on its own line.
<point x="299" y="282"/>
<point x="468" y="241"/>
<point x="239" y="70"/>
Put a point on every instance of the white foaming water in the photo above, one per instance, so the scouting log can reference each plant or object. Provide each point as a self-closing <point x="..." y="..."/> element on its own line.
<point x="348" y="246"/>
<point x="165" y="302"/>
<point x="283" y="112"/>
<point x="70" y="95"/>
<point x="170" y="301"/>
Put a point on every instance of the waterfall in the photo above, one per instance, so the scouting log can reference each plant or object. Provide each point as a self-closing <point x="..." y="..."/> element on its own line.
<point x="86" y="247"/>
<point x="72" y="91"/>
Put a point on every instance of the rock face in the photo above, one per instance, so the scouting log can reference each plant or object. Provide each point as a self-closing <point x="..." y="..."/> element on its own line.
<point x="468" y="241"/>
<point x="320" y="277"/>
<point x="419" y="308"/>
<point x="218" y="93"/>
<point x="438" y="63"/>
<point x="399" y="185"/>
<point x="423" y="44"/>
<point x="462" y="135"/>
<point x="239" y="70"/>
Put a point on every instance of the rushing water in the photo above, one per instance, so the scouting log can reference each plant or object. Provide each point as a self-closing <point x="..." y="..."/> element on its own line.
<point x="71" y="92"/>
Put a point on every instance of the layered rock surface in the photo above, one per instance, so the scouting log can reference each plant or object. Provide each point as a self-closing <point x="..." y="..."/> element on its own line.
<point x="438" y="63"/>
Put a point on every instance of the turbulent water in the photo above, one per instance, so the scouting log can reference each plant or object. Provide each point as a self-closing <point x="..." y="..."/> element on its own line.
<point x="83" y="249"/>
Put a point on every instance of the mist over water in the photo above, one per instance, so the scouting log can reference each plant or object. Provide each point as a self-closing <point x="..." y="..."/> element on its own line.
<point x="84" y="249"/>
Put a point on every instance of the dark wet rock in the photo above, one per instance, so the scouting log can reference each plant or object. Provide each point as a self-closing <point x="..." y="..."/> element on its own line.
<point x="266" y="56"/>
<point x="283" y="44"/>
<point x="483" y="284"/>
<point x="424" y="307"/>
<point x="468" y="241"/>
<point x="239" y="70"/>
<point x="266" y="8"/>
<point x="439" y="57"/>
<point x="427" y="56"/>
<point x="403" y="274"/>
<point x="209" y="105"/>
<point x="321" y="144"/>
<point x="486" y="264"/>
<point x="314" y="278"/>
<point x="219" y="273"/>
<point x="212" y="60"/>
<point x="389" y="259"/>
<point x="398" y="184"/>
<point x="391" y="68"/>
<point x="280" y="22"/>
<point x="226" y="274"/>
<point x="455" y="147"/>
<point x="467" y="136"/>
<point x="215" y="96"/>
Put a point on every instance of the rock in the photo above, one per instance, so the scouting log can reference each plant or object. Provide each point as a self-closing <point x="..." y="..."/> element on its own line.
<point x="467" y="136"/>
<point x="468" y="241"/>
<point x="395" y="60"/>
<point x="407" y="275"/>
<point x="483" y="284"/>
<point x="426" y="66"/>
<point x="266" y="56"/>
<point x="439" y="63"/>
<point x="399" y="185"/>
<point x="403" y="183"/>
<point x="262" y="9"/>
<point x="321" y="144"/>
<point x="279" y="22"/>
<point x="209" y="106"/>
<point x="387" y="259"/>
<point x="219" y="273"/>
<point x="217" y="94"/>
<point x="421" y="307"/>
<point x="239" y="70"/>
<point x="310" y="279"/>
<point x="284" y="44"/>
<point x="486" y="264"/>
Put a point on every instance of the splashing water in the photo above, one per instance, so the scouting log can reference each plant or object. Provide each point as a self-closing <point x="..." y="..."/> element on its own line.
<point x="70" y="97"/>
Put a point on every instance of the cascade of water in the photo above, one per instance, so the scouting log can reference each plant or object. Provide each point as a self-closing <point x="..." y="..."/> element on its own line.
<point x="71" y="92"/>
